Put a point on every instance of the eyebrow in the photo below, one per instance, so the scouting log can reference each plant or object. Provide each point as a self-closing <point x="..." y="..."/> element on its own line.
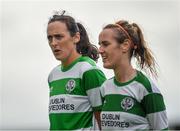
<point x="103" y="42"/>
<point x="54" y="35"/>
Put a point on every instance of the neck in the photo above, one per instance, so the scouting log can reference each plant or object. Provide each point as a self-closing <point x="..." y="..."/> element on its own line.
<point x="70" y="59"/>
<point x="124" y="73"/>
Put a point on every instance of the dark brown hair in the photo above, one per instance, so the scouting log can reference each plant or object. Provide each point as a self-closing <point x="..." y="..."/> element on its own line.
<point x="84" y="46"/>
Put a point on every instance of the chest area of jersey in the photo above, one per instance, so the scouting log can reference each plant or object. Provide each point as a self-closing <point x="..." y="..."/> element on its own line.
<point x="121" y="112"/>
<point x="66" y="86"/>
<point x="122" y="103"/>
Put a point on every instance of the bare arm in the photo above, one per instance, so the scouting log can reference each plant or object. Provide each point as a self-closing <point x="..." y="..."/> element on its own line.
<point x="98" y="118"/>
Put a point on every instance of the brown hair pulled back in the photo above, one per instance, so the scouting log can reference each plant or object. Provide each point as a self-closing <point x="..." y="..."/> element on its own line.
<point x="139" y="48"/>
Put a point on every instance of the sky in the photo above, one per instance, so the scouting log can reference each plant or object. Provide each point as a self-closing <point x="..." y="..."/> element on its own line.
<point x="26" y="59"/>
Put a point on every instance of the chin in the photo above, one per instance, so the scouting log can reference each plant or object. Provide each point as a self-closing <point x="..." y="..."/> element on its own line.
<point x="107" y="66"/>
<point x="58" y="58"/>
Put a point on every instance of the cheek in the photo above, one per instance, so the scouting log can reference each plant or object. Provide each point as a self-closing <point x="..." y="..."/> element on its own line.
<point x="69" y="48"/>
<point x="113" y="51"/>
<point x="114" y="55"/>
<point x="66" y="44"/>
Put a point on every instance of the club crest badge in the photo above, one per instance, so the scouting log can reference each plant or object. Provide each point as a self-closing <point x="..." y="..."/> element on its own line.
<point x="71" y="84"/>
<point x="127" y="103"/>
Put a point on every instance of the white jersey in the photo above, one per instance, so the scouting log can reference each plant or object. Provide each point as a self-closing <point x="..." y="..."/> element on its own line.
<point x="137" y="104"/>
<point x="75" y="95"/>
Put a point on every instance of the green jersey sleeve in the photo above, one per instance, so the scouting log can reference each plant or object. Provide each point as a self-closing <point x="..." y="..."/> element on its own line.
<point x="92" y="80"/>
<point x="155" y="110"/>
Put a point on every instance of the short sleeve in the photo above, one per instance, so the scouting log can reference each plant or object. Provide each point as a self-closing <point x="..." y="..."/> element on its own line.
<point x="154" y="106"/>
<point x="92" y="80"/>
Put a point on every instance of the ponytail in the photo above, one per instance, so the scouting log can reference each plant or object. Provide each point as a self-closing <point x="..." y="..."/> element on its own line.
<point x="142" y="53"/>
<point x="84" y="46"/>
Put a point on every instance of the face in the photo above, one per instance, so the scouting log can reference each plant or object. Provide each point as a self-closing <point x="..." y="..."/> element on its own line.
<point x="61" y="42"/>
<point x="111" y="51"/>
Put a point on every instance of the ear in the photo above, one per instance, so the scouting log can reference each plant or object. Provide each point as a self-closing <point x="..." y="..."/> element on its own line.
<point x="76" y="37"/>
<point x="126" y="45"/>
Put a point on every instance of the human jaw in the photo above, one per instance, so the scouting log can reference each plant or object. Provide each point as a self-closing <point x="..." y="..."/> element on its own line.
<point x="109" y="53"/>
<point x="58" y="53"/>
<point x="106" y="63"/>
<point x="109" y="58"/>
<point x="64" y="51"/>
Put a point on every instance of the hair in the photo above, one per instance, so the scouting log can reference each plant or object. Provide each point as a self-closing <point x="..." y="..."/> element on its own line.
<point x="83" y="47"/>
<point x="139" y="49"/>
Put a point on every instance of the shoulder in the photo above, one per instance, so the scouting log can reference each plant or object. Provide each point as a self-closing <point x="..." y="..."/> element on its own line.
<point x="107" y="86"/>
<point x="147" y="83"/>
<point x="90" y="70"/>
<point x="88" y="60"/>
<point x="85" y="64"/>
<point x="108" y="83"/>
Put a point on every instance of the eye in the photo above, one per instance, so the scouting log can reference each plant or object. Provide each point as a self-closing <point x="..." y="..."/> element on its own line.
<point x="104" y="43"/>
<point x="58" y="37"/>
<point x="49" y="38"/>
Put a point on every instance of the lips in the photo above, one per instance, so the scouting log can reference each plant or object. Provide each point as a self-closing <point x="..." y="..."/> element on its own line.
<point x="104" y="58"/>
<point x="56" y="51"/>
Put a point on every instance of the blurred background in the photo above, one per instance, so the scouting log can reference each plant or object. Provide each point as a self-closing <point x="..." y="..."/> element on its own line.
<point x="26" y="59"/>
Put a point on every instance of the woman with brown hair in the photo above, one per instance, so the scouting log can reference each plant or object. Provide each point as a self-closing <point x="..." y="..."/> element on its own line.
<point x="74" y="84"/>
<point x="131" y="99"/>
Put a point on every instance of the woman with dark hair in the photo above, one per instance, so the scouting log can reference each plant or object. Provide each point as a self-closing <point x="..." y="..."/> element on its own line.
<point x="74" y="85"/>
<point x="131" y="100"/>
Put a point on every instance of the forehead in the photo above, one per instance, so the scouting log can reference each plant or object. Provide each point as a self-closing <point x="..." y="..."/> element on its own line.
<point x="56" y="27"/>
<point x="107" y="34"/>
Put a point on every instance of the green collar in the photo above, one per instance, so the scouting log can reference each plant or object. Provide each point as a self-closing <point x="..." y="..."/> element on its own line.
<point x="70" y="65"/>
<point x="125" y="83"/>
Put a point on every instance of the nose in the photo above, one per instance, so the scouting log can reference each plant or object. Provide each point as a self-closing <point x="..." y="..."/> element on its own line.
<point x="54" y="42"/>
<point x="101" y="50"/>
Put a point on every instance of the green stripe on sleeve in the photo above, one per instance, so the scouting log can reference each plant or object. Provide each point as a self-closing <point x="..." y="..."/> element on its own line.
<point x="93" y="78"/>
<point x="153" y="103"/>
<point x="141" y="78"/>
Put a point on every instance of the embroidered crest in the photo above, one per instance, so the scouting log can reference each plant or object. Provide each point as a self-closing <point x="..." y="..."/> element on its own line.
<point x="127" y="103"/>
<point x="70" y="85"/>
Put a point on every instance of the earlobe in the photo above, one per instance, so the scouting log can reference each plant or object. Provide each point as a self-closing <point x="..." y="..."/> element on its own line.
<point x="76" y="40"/>
<point x="77" y="37"/>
